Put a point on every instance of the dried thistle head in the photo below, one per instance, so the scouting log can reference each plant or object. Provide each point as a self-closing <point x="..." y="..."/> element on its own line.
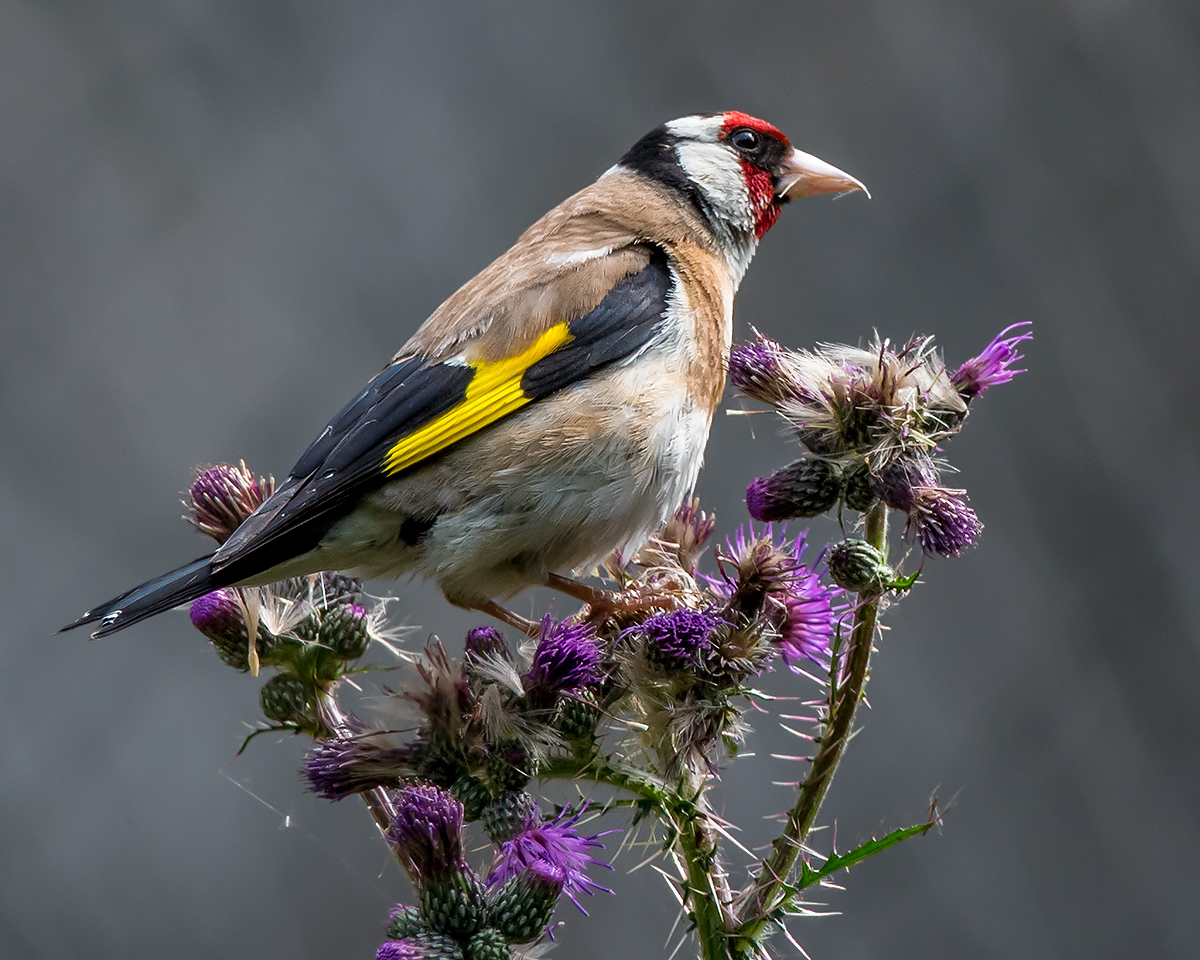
<point x="850" y="403"/>
<point x="443" y="697"/>
<point x="221" y="497"/>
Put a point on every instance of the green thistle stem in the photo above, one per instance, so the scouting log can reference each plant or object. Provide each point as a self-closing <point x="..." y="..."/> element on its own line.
<point x="771" y="889"/>
<point x="706" y="891"/>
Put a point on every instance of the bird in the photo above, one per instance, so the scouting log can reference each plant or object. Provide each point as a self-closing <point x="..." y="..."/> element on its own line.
<point x="554" y="409"/>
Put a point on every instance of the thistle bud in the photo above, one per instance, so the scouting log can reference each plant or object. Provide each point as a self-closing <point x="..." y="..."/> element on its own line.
<point x="218" y="615"/>
<point x="343" y="766"/>
<point x="510" y="813"/>
<point x="420" y="946"/>
<point x="576" y="718"/>
<point x="454" y="904"/>
<point x="856" y="565"/>
<point x="805" y="488"/>
<point x="522" y="906"/>
<point x="221" y="497"/>
<point x="474" y="795"/>
<point x="484" y="642"/>
<point x="287" y="699"/>
<point x="487" y="944"/>
<point x="860" y="492"/>
<point x="404" y="922"/>
<point x="507" y="767"/>
<point x="344" y="629"/>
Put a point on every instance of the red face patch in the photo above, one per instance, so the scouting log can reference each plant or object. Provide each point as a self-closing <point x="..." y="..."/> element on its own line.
<point x="762" y="198"/>
<point x="758" y="179"/>
<point x="732" y="119"/>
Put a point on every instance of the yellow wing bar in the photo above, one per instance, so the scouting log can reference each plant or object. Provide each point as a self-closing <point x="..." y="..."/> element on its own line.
<point x="494" y="392"/>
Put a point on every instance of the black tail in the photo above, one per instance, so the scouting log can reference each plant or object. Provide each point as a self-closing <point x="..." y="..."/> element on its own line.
<point x="154" y="596"/>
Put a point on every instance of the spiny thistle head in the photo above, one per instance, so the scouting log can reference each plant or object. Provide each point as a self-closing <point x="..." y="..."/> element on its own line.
<point x="343" y="766"/>
<point x="522" y="905"/>
<point x="944" y="523"/>
<point x="508" y="766"/>
<point x="556" y="842"/>
<point x="858" y="491"/>
<point x="221" y="497"/>
<point x="805" y="488"/>
<point x="897" y="485"/>
<point x="993" y="366"/>
<point x="474" y="794"/>
<point x="426" y="832"/>
<point x="682" y="539"/>
<point x="569" y="658"/>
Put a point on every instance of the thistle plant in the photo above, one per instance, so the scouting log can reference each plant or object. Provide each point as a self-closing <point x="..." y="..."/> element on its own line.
<point x="642" y="696"/>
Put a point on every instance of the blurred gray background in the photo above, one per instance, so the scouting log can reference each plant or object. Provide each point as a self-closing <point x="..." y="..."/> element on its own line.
<point x="218" y="219"/>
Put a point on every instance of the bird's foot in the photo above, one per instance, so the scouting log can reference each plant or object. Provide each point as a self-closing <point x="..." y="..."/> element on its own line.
<point x="528" y="627"/>
<point x="580" y="591"/>
<point x="620" y="605"/>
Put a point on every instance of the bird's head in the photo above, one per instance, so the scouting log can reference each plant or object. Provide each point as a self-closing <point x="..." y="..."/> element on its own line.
<point x="737" y="169"/>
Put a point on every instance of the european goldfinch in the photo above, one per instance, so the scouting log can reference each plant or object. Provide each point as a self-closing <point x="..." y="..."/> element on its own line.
<point x="554" y="409"/>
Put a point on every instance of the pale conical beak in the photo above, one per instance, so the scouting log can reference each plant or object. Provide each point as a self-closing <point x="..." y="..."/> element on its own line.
<point x="803" y="175"/>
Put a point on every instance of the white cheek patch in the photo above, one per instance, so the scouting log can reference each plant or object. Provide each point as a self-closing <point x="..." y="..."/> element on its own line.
<point x="716" y="170"/>
<point x="577" y="256"/>
<point x="707" y="129"/>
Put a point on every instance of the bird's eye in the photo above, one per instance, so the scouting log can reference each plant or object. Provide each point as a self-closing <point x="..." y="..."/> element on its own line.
<point x="744" y="140"/>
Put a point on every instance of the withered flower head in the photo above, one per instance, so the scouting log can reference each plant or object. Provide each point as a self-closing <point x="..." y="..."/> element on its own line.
<point x="221" y="497"/>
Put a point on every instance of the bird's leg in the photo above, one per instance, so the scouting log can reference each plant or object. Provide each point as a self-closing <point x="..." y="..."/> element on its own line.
<point x="528" y="627"/>
<point x="592" y="596"/>
<point x="604" y="603"/>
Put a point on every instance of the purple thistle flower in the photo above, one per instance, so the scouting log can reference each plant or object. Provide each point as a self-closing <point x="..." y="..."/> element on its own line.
<point x="569" y="657"/>
<point x="486" y="641"/>
<point x="807" y="620"/>
<point x="557" y="843"/>
<point x="218" y="615"/>
<point x="221" y="497"/>
<point x="427" y="832"/>
<point x="945" y="524"/>
<point x="342" y="767"/>
<point x="993" y="366"/>
<point x="677" y="635"/>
